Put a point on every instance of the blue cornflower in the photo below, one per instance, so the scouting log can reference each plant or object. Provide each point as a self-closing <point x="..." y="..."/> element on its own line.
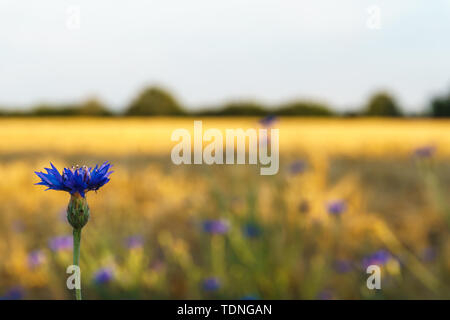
<point x="103" y="276"/>
<point x="216" y="226"/>
<point x="336" y="207"/>
<point x="252" y="230"/>
<point x="380" y="258"/>
<point x="15" y="293"/>
<point x="211" y="284"/>
<point x="268" y="120"/>
<point x="75" y="180"/>
<point x="61" y="243"/>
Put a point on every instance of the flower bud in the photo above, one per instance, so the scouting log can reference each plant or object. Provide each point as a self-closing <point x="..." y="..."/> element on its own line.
<point x="77" y="211"/>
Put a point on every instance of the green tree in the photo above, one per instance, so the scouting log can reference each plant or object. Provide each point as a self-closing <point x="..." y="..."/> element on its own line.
<point x="304" y="108"/>
<point x="154" y="101"/>
<point x="382" y="105"/>
<point x="93" y="107"/>
<point x="440" y="106"/>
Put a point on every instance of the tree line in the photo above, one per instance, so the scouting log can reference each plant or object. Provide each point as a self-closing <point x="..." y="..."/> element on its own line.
<point x="155" y="101"/>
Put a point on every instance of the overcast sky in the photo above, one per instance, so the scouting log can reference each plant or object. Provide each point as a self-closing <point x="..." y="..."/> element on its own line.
<point x="208" y="51"/>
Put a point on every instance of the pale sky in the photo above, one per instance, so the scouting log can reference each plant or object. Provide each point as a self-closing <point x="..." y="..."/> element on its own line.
<point x="208" y="51"/>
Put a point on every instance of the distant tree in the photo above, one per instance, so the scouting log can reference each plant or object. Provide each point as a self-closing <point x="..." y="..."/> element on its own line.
<point x="242" y="108"/>
<point x="302" y="108"/>
<point x="440" y="106"/>
<point x="382" y="105"/>
<point x="45" y="110"/>
<point x="93" y="107"/>
<point x="154" y="101"/>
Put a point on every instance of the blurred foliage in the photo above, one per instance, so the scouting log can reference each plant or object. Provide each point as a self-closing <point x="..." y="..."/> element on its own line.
<point x="382" y="105"/>
<point x="300" y="108"/>
<point x="440" y="106"/>
<point x="154" y="101"/>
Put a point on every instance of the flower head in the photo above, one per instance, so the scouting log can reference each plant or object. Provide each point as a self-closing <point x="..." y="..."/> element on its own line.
<point x="297" y="167"/>
<point x="268" y="120"/>
<point x="75" y="180"/>
<point x="216" y="226"/>
<point x="380" y="257"/>
<point x="134" y="242"/>
<point x="61" y="243"/>
<point x="252" y="230"/>
<point x="336" y="207"/>
<point x="36" y="258"/>
<point x="211" y="284"/>
<point x="103" y="276"/>
<point x="15" y="293"/>
<point x="425" y="152"/>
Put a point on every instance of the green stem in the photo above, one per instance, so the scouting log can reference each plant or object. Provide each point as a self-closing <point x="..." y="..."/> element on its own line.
<point x="76" y="256"/>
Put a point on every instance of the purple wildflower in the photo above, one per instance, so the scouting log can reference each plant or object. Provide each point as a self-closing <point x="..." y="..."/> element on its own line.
<point x="36" y="258"/>
<point x="134" y="242"/>
<point x="425" y="152"/>
<point x="216" y="226"/>
<point x="15" y="293"/>
<point x="297" y="167"/>
<point x="211" y="284"/>
<point x="103" y="276"/>
<point x="336" y="207"/>
<point x="61" y="243"/>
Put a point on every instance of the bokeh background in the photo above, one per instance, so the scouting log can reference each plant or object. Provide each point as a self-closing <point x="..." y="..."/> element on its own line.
<point x="359" y="91"/>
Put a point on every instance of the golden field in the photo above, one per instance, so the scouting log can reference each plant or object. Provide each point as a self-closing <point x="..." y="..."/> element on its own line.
<point x="146" y="237"/>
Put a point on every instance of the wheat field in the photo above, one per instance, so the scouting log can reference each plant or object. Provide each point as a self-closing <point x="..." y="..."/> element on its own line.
<point x="349" y="192"/>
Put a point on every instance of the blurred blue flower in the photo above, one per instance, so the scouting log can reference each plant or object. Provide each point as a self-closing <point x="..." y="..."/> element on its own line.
<point x="380" y="258"/>
<point x="425" y="152"/>
<point x="250" y="297"/>
<point x="103" y="276"/>
<point x="76" y="179"/>
<point x="134" y="242"/>
<point x="36" y="258"/>
<point x="342" y="266"/>
<point x="297" y="167"/>
<point x="15" y="293"/>
<point x="211" y="284"/>
<point x="252" y="230"/>
<point x="61" y="243"/>
<point x="268" y="120"/>
<point x="336" y="207"/>
<point x="216" y="226"/>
